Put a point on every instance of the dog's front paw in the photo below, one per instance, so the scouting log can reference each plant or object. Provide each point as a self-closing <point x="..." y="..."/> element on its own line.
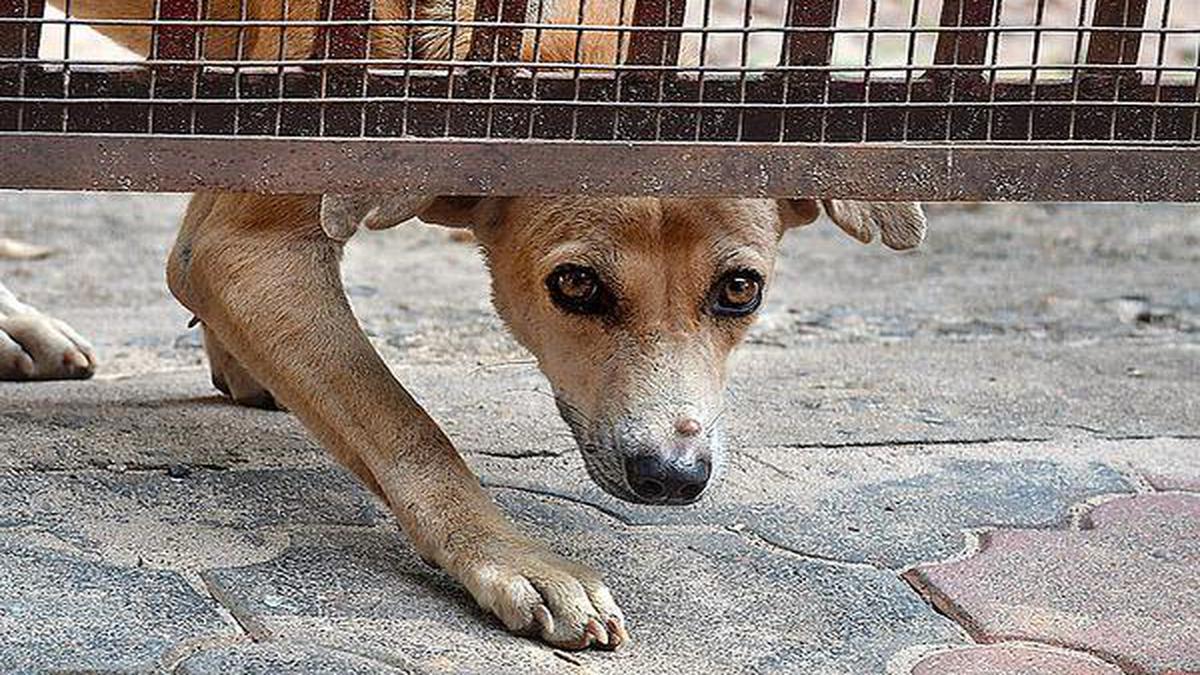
<point x="34" y="346"/>
<point x="537" y="593"/>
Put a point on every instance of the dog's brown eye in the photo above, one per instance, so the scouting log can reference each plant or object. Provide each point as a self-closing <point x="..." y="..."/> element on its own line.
<point x="577" y="289"/>
<point x="738" y="293"/>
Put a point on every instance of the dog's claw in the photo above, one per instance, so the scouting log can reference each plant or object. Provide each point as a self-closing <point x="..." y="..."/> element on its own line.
<point x="543" y="618"/>
<point x="596" y="632"/>
<point x="617" y="633"/>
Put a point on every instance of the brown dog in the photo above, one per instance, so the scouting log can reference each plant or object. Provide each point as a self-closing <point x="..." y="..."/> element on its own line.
<point x="631" y="307"/>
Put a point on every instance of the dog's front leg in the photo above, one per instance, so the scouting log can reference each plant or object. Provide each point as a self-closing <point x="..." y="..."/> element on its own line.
<point x="263" y="277"/>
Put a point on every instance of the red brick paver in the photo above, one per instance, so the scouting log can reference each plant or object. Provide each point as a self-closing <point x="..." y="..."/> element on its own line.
<point x="1125" y="586"/>
<point x="1012" y="659"/>
<point x="1171" y="482"/>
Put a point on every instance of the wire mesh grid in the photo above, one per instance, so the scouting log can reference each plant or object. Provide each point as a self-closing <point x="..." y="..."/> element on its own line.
<point x="692" y="73"/>
<point x="1104" y="71"/>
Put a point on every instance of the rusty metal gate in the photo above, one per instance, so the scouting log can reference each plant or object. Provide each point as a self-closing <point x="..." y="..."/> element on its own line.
<point x="887" y="99"/>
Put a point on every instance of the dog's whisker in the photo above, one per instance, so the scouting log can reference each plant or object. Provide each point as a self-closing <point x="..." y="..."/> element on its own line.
<point x="709" y="424"/>
<point x="484" y="367"/>
<point x="573" y="414"/>
<point x="525" y="390"/>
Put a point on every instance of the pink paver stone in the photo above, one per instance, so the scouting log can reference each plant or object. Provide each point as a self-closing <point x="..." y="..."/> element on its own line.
<point x="1125" y="586"/>
<point x="1174" y="482"/>
<point x="1012" y="659"/>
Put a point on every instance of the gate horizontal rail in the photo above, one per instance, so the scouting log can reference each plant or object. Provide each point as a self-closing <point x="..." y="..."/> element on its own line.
<point x="487" y="167"/>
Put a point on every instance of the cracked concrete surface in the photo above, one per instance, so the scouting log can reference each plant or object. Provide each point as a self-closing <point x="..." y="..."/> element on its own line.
<point x="1028" y="360"/>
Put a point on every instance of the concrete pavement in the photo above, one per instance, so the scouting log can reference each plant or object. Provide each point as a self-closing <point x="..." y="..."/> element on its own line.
<point x="983" y="457"/>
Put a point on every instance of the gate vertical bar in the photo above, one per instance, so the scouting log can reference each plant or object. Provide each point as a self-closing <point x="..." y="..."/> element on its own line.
<point x="809" y="47"/>
<point x="490" y="45"/>
<point x="650" y="48"/>
<point x="21" y="39"/>
<point x="346" y="38"/>
<point x="968" y="48"/>
<point x="174" y="41"/>
<point x="806" y="91"/>
<point x="656" y="47"/>
<point x="497" y="44"/>
<point x="1116" y="47"/>
<point x="17" y="41"/>
<point x="964" y="47"/>
<point x="1107" y="86"/>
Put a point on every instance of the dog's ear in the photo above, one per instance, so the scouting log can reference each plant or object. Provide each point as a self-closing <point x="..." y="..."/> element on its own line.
<point x="342" y="215"/>
<point x="901" y="225"/>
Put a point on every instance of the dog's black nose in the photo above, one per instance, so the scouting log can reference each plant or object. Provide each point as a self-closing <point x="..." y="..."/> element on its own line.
<point x="666" y="482"/>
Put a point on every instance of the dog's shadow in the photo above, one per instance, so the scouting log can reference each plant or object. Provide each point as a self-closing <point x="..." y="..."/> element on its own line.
<point x="70" y="425"/>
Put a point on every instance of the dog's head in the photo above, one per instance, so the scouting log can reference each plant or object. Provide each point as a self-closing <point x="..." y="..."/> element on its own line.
<point x="632" y="307"/>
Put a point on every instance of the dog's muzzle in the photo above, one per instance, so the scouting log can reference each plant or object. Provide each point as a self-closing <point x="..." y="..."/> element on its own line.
<point x="633" y="464"/>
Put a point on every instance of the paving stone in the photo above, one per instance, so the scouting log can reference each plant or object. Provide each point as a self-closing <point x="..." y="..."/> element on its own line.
<point x="869" y="404"/>
<point x="885" y="506"/>
<point x="1012" y="659"/>
<point x="698" y="600"/>
<point x="1163" y="463"/>
<point x="147" y="421"/>
<point x="1175" y="481"/>
<point x="1125" y="586"/>
<point x="65" y="611"/>
<point x="208" y="518"/>
<point x="282" y="658"/>
<point x="920" y="389"/>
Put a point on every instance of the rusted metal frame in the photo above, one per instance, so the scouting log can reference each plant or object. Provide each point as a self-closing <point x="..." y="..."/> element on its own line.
<point x="897" y="172"/>
<point x="21" y="39"/>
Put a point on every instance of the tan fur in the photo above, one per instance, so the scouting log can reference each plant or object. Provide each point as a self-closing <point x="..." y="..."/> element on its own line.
<point x="297" y="42"/>
<point x="261" y="272"/>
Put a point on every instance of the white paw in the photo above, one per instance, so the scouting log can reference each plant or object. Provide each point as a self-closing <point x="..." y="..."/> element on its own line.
<point x="537" y="593"/>
<point x="34" y="346"/>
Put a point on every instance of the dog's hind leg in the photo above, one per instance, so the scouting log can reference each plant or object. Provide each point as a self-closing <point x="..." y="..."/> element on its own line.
<point x="34" y="346"/>
<point x="263" y="277"/>
<point x="232" y="379"/>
